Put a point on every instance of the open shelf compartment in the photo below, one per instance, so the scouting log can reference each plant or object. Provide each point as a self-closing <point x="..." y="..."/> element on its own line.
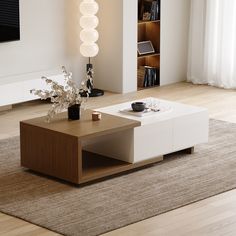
<point x="148" y="30"/>
<point x="96" y="166"/>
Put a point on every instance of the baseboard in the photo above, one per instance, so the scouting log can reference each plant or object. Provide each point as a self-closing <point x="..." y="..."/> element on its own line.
<point x="5" y="108"/>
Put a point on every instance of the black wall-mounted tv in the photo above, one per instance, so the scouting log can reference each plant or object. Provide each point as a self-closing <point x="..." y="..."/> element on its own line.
<point x="9" y="20"/>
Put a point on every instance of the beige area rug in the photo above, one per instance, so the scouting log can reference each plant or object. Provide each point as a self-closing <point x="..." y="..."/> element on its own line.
<point x="91" y="210"/>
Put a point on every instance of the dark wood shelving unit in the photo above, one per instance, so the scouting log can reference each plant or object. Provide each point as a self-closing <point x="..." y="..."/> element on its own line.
<point x="148" y="30"/>
<point x="148" y="21"/>
<point x="149" y="55"/>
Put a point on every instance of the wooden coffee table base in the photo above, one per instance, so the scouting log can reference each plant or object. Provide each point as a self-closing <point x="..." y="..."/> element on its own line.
<point x="56" y="148"/>
<point x="63" y="157"/>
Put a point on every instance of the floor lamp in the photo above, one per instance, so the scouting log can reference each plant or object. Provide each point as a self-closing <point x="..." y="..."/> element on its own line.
<point x="89" y="37"/>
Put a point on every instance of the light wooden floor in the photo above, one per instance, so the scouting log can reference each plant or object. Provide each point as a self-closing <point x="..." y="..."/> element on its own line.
<point x="210" y="217"/>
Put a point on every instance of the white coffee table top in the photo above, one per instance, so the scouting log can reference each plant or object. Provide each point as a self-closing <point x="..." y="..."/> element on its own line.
<point x="168" y="110"/>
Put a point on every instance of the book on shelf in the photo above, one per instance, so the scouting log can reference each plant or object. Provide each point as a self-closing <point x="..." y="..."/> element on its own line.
<point x="154" y="11"/>
<point x="151" y="77"/>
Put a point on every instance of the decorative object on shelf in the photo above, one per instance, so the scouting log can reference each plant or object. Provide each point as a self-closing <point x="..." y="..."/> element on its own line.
<point x="138" y="106"/>
<point x="154" y="11"/>
<point x="145" y="47"/>
<point x="63" y="97"/>
<point x="146" y="16"/>
<point x="145" y="11"/>
<point x="89" y="37"/>
<point x="151" y="76"/>
<point x="148" y="10"/>
<point x="96" y="116"/>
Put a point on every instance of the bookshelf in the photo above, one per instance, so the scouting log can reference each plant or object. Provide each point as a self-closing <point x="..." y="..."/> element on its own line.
<point x="149" y="24"/>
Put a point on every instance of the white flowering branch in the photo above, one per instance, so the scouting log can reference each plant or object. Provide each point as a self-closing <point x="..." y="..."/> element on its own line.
<point x="61" y="96"/>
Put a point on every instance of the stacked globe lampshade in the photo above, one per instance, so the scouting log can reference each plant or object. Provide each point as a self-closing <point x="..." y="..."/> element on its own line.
<point x="89" y="34"/>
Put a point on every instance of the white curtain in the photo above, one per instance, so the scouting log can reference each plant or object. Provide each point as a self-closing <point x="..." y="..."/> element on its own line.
<point x="212" y="43"/>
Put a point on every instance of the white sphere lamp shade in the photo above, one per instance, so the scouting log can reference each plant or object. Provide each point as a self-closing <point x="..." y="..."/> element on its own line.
<point x="89" y="8"/>
<point x="90" y="22"/>
<point x="89" y="34"/>
<point x="89" y="49"/>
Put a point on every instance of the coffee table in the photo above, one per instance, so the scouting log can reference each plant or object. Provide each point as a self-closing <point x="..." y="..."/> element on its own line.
<point x="57" y="148"/>
<point x="83" y="151"/>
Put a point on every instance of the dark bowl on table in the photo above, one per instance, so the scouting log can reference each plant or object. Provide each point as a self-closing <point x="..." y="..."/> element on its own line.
<point x="138" y="106"/>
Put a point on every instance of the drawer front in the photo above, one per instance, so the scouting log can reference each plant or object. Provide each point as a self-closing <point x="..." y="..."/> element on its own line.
<point x="153" y="140"/>
<point x="190" y="130"/>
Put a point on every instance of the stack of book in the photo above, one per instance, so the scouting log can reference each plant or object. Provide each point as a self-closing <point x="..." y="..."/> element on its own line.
<point x="151" y="77"/>
<point x="141" y="74"/>
<point x="154" y="11"/>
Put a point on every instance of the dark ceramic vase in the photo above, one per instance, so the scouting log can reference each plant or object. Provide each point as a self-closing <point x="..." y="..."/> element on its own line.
<point x="74" y="112"/>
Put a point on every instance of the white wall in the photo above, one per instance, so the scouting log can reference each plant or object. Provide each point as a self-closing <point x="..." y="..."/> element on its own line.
<point x="108" y="62"/>
<point x="130" y="35"/>
<point x="175" y="16"/>
<point x="115" y="65"/>
<point x="48" y="40"/>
